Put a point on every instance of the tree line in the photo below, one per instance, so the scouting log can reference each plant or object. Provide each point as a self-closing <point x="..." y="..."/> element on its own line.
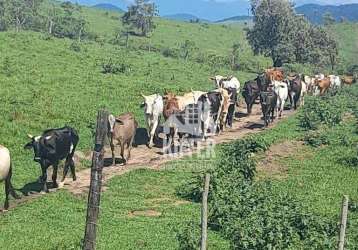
<point x="57" y="19"/>
<point x="286" y="37"/>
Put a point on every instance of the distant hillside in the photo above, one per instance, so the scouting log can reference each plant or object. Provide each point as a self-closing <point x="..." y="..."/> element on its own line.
<point x="107" y="6"/>
<point x="183" y="17"/>
<point x="236" y="19"/>
<point x="315" y="12"/>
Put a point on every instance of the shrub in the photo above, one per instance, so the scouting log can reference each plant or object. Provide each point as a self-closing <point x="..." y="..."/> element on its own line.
<point x="328" y="111"/>
<point x="75" y="46"/>
<point x="192" y="189"/>
<point x="189" y="236"/>
<point x="111" y="67"/>
<point x="316" y="138"/>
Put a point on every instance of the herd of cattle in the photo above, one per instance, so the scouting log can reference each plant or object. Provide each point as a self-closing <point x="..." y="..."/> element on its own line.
<point x="195" y="114"/>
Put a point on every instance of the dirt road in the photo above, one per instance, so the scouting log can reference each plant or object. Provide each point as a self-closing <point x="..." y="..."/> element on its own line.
<point x="143" y="157"/>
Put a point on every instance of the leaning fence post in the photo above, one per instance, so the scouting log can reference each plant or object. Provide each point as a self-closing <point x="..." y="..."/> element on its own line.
<point x="204" y="213"/>
<point x="94" y="195"/>
<point x="343" y="223"/>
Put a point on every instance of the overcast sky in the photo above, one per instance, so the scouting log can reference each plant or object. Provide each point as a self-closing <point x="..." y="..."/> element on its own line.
<point x="207" y="9"/>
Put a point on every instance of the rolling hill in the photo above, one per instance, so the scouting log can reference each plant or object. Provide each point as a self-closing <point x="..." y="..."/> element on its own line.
<point x="236" y="19"/>
<point x="315" y="12"/>
<point x="183" y="17"/>
<point x="107" y="6"/>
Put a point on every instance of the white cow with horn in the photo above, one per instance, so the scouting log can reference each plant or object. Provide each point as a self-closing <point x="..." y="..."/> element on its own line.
<point x="153" y="109"/>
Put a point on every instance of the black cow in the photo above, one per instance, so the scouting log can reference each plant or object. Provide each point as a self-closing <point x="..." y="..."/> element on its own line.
<point x="262" y="82"/>
<point x="250" y="92"/>
<point x="231" y="110"/>
<point x="294" y="91"/>
<point x="268" y="102"/>
<point x="51" y="147"/>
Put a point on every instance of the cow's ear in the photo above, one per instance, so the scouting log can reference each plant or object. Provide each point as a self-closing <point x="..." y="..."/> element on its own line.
<point x="119" y="121"/>
<point x="212" y="78"/>
<point x="28" y="145"/>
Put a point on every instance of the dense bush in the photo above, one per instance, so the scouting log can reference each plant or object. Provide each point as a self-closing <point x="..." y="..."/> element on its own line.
<point x="317" y="111"/>
<point x="189" y="236"/>
<point x="111" y="67"/>
<point x="253" y="215"/>
<point x="316" y="138"/>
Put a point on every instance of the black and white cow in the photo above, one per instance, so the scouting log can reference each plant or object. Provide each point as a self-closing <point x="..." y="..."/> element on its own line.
<point x="51" y="147"/>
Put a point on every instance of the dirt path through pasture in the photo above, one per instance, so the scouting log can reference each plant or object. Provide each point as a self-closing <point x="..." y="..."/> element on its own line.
<point x="145" y="158"/>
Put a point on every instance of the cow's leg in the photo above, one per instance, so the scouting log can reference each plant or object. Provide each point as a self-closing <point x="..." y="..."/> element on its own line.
<point x="54" y="176"/>
<point x="112" y="149"/>
<point x="11" y="188"/>
<point x="291" y="100"/>
<point x="122" y="152"/>
<point x="129" y="146"/>
<point x="152" y="132"/>
<point x="7" y="192"/>
<point x="44" y="167"/>
<point x="73" y="169"/>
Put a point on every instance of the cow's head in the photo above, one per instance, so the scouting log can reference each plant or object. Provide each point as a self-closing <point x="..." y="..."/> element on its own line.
<point x="35" y="145"/>
<point x="217" y="80"/>
<point x="149" y="102"/>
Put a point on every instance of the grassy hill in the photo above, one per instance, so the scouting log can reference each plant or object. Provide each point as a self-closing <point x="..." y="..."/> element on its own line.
<point x="347" y="36"/>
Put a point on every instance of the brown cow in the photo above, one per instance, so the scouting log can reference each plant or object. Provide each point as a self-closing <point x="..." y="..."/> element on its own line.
<point x="348" y="80"/>
<point x="275" y="74"/>
<point x="122" y="129"/>
<point x="323" y="85"/>
<point x="224" y="108"/>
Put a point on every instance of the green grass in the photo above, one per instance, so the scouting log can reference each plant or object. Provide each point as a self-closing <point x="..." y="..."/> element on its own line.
<point x="56" y="221"/>
<point x="347" y="36"/>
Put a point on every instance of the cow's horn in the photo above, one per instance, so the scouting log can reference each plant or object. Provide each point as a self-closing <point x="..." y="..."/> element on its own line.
<point x="142" y="95"/>
<point x="30" y="136"/>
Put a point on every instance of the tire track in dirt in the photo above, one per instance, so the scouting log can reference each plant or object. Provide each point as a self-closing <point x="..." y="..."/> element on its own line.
<point x="145" y="158"/>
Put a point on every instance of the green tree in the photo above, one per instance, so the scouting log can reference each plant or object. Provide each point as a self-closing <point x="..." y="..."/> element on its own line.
<point x="272" y="31"/>
<point x="66" y="21"/>
<point x="140" y="16"/>
<point x="186" y="49"/>
<point x="286" y="37"/>
<point x="328" y="19"/>
<point x="20" y="14"/>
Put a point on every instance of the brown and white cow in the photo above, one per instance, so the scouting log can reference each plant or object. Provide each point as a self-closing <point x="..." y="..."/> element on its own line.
<point x="323" y="85"/>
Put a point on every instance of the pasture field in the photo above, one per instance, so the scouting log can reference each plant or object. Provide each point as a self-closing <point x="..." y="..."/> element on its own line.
<point x="47" y="82"/>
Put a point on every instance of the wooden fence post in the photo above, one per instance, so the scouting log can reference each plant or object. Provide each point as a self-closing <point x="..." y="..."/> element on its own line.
<point x="204" y="213"/>
<point x="94" y="195"/>
<point x="343" y="225"/>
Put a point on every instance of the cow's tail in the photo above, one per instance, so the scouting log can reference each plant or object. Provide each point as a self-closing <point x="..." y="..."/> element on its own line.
<point x="75" y="140"/>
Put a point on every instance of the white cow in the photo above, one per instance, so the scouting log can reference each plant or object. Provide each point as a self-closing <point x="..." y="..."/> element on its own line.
<point x="304" y="90"/>
<point x="153" y="108"/>
<point x="319" y="76"/>
<point x="5" y="175"/>
<point x="281" y="89"/>
<point x="226" y="82"/>
<point x="335" y="81"/>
